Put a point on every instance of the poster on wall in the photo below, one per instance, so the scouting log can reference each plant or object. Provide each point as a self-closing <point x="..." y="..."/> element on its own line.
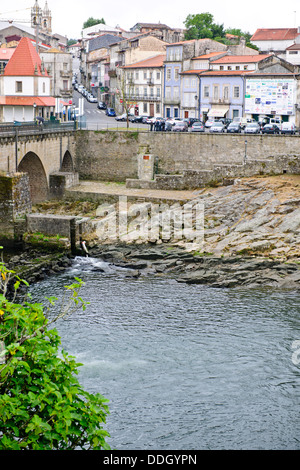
<point x="270" y="96"/>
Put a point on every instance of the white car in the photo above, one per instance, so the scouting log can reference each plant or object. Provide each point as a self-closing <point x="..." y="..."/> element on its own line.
<point x="209" y="122"/>
<point x="288" y="128"/>
<point x="217" y="127"/>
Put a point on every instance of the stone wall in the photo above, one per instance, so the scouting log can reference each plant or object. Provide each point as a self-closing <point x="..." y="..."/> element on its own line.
<point x="14" y="201"/>
<point x="113" y="156"/>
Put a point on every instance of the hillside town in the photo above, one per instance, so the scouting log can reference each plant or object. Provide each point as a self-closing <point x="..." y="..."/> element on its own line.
<point x="150" y="71"/>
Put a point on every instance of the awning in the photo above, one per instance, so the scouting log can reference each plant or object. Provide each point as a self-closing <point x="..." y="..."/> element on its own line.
<point x="218" y="111"/>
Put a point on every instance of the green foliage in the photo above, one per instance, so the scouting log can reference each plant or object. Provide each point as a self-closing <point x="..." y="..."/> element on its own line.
<point x="42" y="405"/>
<point x="202" y="26"/>
<point x="92" y="21"/>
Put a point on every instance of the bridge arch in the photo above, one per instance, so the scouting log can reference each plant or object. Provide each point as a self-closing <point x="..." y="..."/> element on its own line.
<point x="38" y="183"/>
<point x="67" y="162"/>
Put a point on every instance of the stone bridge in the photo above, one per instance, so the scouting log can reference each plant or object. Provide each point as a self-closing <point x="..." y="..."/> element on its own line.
<point x="46" y="156"/>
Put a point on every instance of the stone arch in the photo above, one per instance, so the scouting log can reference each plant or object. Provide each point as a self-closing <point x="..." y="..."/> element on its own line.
<point x="67" y="163"/>
<point x="32" y="165"/>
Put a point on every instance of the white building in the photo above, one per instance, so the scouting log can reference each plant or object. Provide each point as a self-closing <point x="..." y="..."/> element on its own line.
<point x="25" y="86"/>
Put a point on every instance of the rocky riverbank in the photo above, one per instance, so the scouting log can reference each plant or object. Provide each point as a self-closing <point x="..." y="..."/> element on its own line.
<point x="235" y="271"/>
<point x="251" y="238"/>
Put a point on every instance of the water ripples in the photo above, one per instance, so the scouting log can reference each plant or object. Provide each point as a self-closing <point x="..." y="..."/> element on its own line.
<point x="185" y="367"/>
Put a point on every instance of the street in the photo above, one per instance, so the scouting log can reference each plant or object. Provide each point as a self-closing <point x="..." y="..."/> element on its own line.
<point x="96" y="119"/>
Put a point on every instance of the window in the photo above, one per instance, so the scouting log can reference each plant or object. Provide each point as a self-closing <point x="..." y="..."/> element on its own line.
<point x="221" y="67"/>
<point x="245" y="67"/>
<point x="176" y="92"/>
<point x="145" y="108"/>
<point x="206" y="91"/>
<point x="168" y="92"/>
<point x="65" y="66"/>
<point x="145" y="91"/>
<point x="193" y="84"/>
<point x="168" y="74"/>
<point x="293" y="52"/>
<point x="137" y="91"/>
<point x="186" y="82"/>
<point x="65" y="84"/>
<point x="158" y="92"/>
<point x="157" y="108"/>
<point x="216" y="92"/>
<point x="44" y="87"/>
<point x="176" y="113"/>
<point x="237" y="67"/>
<point x="176" y="73"/>
<point x="145" y="75"/>
<point x="136" y="75"/>
<point x="229" y="67"/>
<point x="226" y="92"/>
<point x="235" y="113"/>
<point x="158" y="75"/>
<point x="168" y="112"/>
<point x="236" y="92"/>
<point x="19" y="87"/>
<point x="151" y="91"/>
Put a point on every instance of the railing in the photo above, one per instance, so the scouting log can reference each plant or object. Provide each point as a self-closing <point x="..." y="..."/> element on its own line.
<point x="35" y="128"/>
<point x="146" y="97"/>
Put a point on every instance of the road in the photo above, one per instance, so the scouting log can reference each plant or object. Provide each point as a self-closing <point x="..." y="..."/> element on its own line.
<point x="96" y="119"/>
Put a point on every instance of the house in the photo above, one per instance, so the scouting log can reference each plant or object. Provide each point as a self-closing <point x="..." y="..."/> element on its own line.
<point x="162" y="31"/>
<point x="59" y="67"/>
<point x="275" y="40"/>
<point x="144" y="85"/>
<point x="254" y="88"/>
<point x="25" y="86"/>
<point x="127" y="52"/>
<point x="5" y="55"/>
<point x="178" y="61"/>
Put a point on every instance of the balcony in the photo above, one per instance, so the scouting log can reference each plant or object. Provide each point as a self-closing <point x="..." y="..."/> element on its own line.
<point x="148" y="97"/>
<point x="214" y="101"/>
<point x="172" y="101"/>
<point x="65" y="74"/>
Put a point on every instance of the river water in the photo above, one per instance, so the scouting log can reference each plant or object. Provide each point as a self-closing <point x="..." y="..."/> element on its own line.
<point x="185" y="367"/>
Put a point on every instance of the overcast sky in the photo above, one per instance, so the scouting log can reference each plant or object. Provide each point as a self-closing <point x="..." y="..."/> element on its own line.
<point x="68" y="15"/>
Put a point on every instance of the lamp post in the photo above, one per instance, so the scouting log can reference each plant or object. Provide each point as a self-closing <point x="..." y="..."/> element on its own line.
<point x="34" y="111"/>
<point x="245" y="156"/>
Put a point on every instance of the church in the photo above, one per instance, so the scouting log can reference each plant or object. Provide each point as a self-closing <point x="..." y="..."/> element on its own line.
<point x="39" y="25"/>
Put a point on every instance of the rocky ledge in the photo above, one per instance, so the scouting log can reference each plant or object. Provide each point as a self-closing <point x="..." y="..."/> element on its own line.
<point x="233" y="271"/>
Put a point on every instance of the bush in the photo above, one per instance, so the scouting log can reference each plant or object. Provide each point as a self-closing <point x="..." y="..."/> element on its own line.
<point x="42" y="405"/>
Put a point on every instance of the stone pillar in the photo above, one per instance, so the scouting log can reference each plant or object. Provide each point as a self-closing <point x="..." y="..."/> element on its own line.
<point x="146" y="166"/>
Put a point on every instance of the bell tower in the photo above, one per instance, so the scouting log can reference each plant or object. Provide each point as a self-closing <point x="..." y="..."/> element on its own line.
<point x="36" y="14"/>
<point x="46" y="23"/>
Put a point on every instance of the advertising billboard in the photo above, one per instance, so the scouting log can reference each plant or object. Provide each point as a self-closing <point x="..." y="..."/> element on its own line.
<point x="270" y="96"/>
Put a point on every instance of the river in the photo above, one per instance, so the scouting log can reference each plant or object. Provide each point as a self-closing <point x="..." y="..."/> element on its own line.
<point x="185" y="366"/>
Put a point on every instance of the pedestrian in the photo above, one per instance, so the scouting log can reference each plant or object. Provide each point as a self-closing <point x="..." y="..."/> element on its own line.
<point x="151" y="126"/>
<point x="163" y="125"/>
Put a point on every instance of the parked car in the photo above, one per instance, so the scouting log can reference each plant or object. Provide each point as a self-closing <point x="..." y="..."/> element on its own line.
<point x="197" y="126"/>
<point x="91" y="99"/>
<point x="134" y="118"/>
<point x="252" y="128"/>
<point x="123" y="117"/>
<point x="226" y="121"/>
<point x="234" y="127"/>
<point x="180" y="126"/>
<point x="149" y="119"/>
<point x="217" y="126"/>
<point x="173" y="120"/>
<point x="288" y="128"/>
<point x="102" y="105"/>
<point x="110" y="112"/>
<point x="209" y="122"/>
<point x="191" y="121"/>
<point x="245" y="121"/>
<point x="270" y="129"/>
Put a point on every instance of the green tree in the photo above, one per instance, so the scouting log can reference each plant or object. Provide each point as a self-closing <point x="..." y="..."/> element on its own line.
<point x="241" y="34"/>
<point x="92" y="21"/>
<point x="42" y="405"/>
<point x="71" y="42"/>
<point x="202" y="26"/>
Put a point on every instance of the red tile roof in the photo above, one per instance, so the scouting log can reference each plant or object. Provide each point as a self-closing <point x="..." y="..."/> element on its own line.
<point x="240" y="59"/>
<point x="156" y="61"/>
<point x="208" y="56"/>
<point x="191" y="72"/>
<point x="25" y="61"/>
<point x="6" y="53"/>
<point x="27" y="101"/>
<point x="225" y="72"/>
<point x="277" y="34"/>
